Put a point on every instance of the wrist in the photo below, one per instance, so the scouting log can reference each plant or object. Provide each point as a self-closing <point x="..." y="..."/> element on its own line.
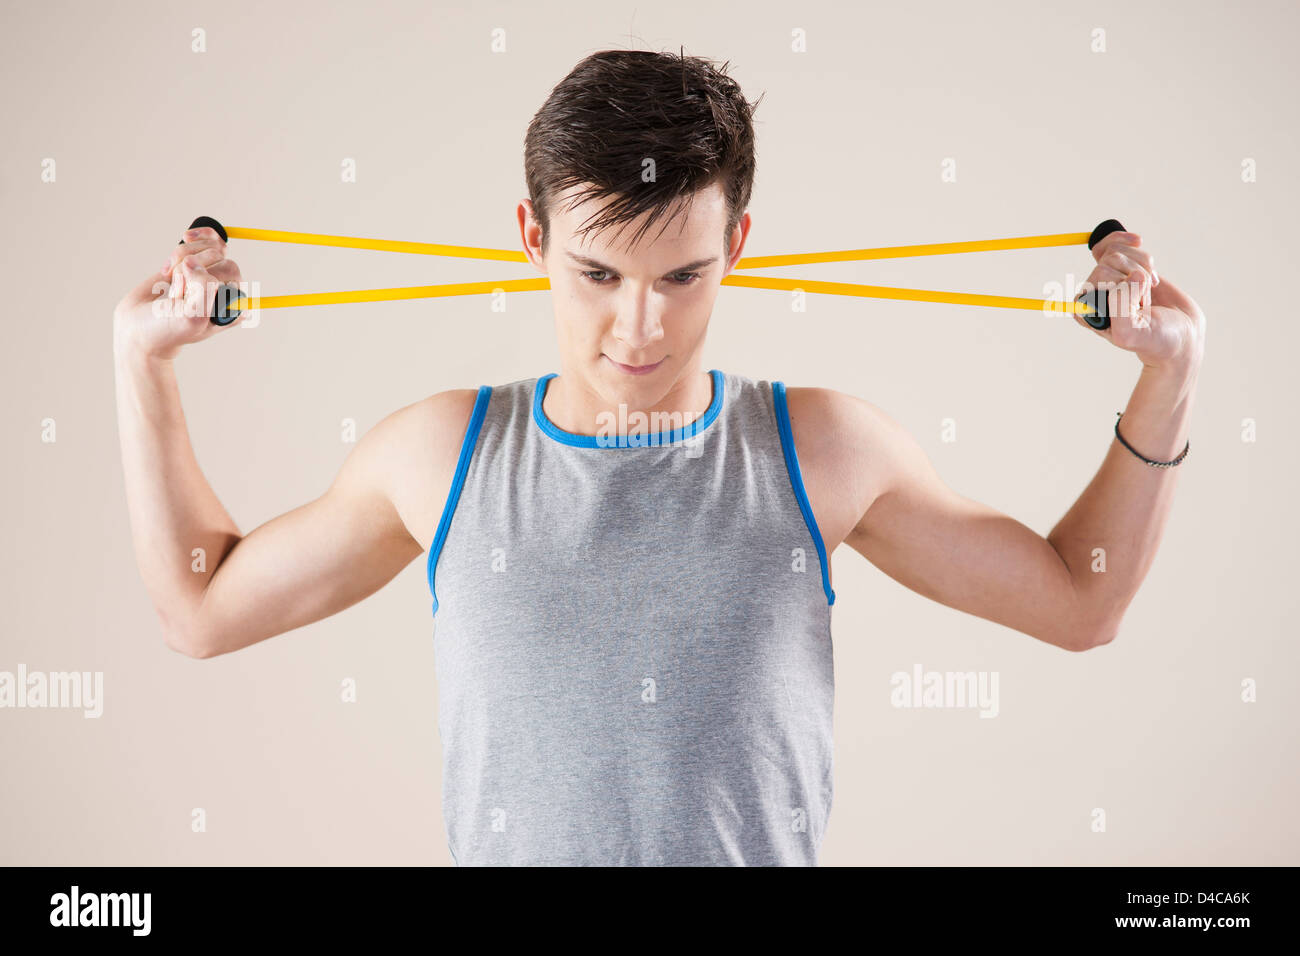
<point x="1180" y="367"/>
<point x="1174" y="379"/>
<point x="134" y="360"/>
<point x="129" y="352"/>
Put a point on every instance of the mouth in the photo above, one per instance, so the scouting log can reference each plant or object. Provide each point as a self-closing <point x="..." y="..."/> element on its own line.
<point x="636" y="369"/>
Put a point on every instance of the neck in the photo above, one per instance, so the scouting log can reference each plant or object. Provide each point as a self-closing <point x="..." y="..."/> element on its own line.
<point x="576" y="406"/>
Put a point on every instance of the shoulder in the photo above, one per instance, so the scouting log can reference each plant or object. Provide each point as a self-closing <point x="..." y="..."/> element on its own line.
<point x="832" y="423"/>
<point x="411" y="455"/>
<point x="430" y="432"/>
<point x="826" y="408"/>
<point x="432" y="427"/>
<point x="447" y="414"/>
<point x="850" y="449"/>
<point x="833" y="426"/>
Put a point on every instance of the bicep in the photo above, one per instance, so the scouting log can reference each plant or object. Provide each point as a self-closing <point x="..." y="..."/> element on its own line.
<point x="960" y="552"/>
<point x="313" y="561"/>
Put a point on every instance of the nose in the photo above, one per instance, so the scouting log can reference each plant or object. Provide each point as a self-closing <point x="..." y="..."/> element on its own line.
<point x="637" y="324"/>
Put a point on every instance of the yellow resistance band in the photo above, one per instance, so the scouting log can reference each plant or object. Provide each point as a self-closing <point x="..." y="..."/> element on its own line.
<point x="749" y="262"/>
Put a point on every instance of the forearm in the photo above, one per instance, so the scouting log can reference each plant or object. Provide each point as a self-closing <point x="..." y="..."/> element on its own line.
<point x="173" y="510"/>
<point x="1109" y="537"/>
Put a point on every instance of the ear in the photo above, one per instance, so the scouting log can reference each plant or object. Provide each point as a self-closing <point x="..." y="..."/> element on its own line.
<point x="530" y="233"/>
<point x="736" y="243"/>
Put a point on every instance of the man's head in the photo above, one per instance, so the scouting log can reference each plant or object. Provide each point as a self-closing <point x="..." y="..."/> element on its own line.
<point x="628" y="141"/>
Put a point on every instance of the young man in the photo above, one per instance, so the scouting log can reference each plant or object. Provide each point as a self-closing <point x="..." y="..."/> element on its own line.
<point x="633" y="639"/>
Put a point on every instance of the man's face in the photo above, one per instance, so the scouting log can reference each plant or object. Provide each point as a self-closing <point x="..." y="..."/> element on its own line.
<point x="631" y="322"/>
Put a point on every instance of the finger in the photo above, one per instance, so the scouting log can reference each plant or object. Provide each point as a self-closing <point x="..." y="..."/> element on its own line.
<point x="1117" y="260"/>
<point x="1145" y="259"/>
<point x="202" y="232"/>
<point x="200" y="242"/>
<point x="1104" y="277"/>
<point x="1128" y="316"/>
<point x="190" y="248"/>
<point x="1124" y="258"/>
<point x="1127" y="277"/>
<point x="227" y="270"/>
<point x="1103" y="280"/>
<point x="177" y="290"/>
<point x="1129" y="295"/>
<point x="1136" y="273"/>
<point x="204" y="257"/>
<point x="1110" y="282"/>
<point x="200" y="288"/>
<point x="1115" y="239"/>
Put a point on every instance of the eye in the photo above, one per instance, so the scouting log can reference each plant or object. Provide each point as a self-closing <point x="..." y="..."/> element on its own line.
<point x="678" y="278"/>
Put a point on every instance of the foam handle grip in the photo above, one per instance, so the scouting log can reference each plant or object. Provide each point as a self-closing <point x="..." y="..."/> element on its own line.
<point x="1101" y="232"/>
<point x="221" y="230"/>
<point x="1095" y="299"/>
<point x="222" y="313"/>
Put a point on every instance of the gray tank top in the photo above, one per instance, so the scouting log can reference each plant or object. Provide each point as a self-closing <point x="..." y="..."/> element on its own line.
<point x="632" y="639"/>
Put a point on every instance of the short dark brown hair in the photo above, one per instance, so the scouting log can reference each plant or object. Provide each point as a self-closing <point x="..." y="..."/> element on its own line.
<point x="618" y="108"/>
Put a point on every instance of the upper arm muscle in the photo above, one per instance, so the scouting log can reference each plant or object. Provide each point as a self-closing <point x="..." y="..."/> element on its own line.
<point x="957" y="551"/>
<point x="328" y="554"/>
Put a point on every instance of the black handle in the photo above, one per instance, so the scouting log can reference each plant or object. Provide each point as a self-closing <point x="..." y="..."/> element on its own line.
<point x="222" y="313"/>
<point x="1095" y="299"/>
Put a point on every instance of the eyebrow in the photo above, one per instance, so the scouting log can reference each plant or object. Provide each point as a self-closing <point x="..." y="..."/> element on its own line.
<point x="594" y="264"/>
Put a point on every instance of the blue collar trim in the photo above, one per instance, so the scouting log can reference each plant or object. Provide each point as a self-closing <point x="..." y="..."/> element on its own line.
<point x="656" y="439"/>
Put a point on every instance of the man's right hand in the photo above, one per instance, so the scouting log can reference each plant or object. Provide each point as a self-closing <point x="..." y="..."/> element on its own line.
<point x="172" y="307"/>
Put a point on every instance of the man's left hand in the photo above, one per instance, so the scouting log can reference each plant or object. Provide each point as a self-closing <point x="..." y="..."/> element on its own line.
<point x="1149" y="315"/>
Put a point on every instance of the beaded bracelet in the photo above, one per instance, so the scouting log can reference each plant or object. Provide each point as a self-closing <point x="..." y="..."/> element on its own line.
<point x="1153" y="464"/>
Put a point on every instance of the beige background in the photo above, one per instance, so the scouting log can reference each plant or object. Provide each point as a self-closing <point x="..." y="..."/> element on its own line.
<point x="1048" y="137"/>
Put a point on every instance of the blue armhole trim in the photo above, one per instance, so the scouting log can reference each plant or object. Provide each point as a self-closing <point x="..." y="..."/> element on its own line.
<point x="796" y="482"/>
<point x="453" y="496"/>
